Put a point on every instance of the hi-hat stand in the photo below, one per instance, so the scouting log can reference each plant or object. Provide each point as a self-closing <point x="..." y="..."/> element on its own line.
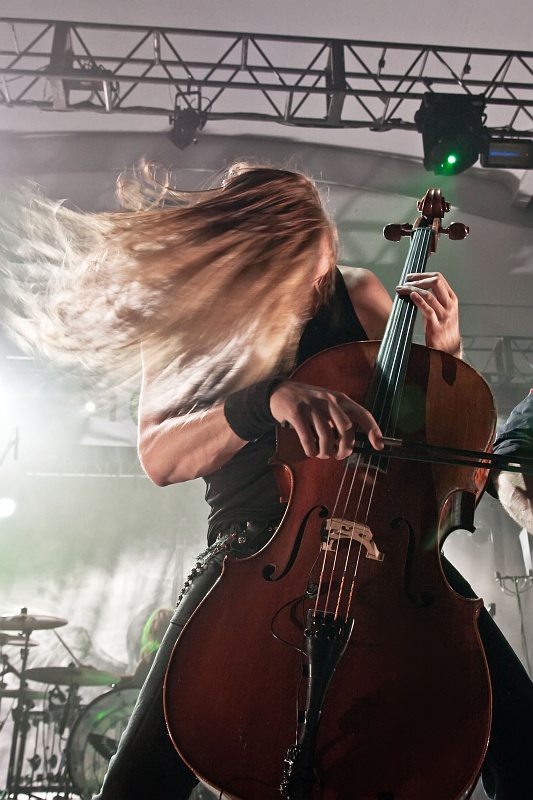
<point x="516" y="585"/>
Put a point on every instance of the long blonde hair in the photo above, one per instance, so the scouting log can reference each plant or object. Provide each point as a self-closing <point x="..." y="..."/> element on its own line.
<point x="215" y="284"/>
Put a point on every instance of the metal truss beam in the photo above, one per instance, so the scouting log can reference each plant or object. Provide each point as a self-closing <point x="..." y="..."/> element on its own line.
<point x="501" y="360"/>
<point x="298" y="81"/>
<point x="506" y="363"/>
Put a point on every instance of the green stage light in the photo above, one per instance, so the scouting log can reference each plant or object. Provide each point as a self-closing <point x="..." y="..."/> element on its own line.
<point x="453" y="133"/>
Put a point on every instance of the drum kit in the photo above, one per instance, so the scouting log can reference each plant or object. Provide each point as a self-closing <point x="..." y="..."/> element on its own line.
<point x="58" y="743"/>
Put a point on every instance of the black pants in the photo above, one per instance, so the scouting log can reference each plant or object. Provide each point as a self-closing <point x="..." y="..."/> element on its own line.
<point x="147" y="765"/>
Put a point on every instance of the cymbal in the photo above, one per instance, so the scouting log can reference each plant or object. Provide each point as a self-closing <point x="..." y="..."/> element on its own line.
<point x="6" y="638"/>
<point x="24" y="694"/>
<point x="67" y="676"/>
<point x="25" y="623"/>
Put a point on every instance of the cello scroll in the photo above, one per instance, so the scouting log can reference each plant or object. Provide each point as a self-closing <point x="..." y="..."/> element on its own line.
<point x="432" y="206"/>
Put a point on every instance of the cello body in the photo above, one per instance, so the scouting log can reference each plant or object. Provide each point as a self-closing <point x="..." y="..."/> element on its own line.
<point x="400" y="710"/>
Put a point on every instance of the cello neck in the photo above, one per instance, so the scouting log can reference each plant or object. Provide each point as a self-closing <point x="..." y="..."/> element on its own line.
<point x="391" y="364"/>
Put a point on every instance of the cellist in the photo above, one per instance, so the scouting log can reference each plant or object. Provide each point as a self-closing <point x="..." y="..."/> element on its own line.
<point x="228" y="290"/>
<point x="228" y="443"/>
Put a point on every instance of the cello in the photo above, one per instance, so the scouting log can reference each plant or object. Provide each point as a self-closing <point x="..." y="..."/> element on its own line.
<point x="357" y="672"/>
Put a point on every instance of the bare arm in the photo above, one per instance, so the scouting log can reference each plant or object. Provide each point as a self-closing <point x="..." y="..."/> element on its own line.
<point x="179" y="448"/>
<point x="515" y="438"/>
<point x="370" y="299"/>
<point x="182" y="448"/>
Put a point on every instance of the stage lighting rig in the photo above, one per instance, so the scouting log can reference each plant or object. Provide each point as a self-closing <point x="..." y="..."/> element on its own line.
<point x="453" y="131"/>
<point x="501" y="152"/>
<point x="185" y="125"/>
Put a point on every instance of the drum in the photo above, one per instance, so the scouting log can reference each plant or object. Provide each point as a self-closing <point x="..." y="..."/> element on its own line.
<point x="95" y="736"/>
<point x="94" y="739"/>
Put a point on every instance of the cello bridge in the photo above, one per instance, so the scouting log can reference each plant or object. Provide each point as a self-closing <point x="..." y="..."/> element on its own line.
<point x="337" y="529"/>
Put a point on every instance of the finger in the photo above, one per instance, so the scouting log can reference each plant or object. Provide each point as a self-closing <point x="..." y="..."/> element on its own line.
<point x="416" y="276"/>
<point x="325" y="435"/>
<point x="368" y="425"/>
<point x="300" y="419"/>
<point x="428" y="300"/>
<point x="345" y="431"/>
<point x="429" y="306"/>
<point x="433" y="314"/>
<point x="306" y="435"/>
<point x="434" y="282"/>
<point x="345" y="441"/>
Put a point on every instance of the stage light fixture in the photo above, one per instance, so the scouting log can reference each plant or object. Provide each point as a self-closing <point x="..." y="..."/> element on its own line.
<point x="185" y="125"/>
<point x="508" y="153"/>
<point x="453" y="131"/>
<point x="7" y="507"/>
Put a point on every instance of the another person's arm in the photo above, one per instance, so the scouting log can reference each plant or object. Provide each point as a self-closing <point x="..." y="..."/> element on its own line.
<point x="514" y="489"/>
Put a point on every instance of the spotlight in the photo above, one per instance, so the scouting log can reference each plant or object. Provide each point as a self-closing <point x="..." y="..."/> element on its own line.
<point x="185" y="125"/>
<point x="7" y="507"/>
<point x="453" y="132"/>
<point x="510" y="153"/>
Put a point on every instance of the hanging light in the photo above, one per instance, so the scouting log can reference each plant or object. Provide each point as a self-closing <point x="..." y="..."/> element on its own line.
<point x="185" y="125"/>
<point x="453" y="131"/>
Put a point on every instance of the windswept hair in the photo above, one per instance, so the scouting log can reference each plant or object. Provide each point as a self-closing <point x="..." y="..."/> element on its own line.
<point x="215" y="284"/>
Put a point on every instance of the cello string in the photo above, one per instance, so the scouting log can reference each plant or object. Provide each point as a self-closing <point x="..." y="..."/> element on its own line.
<point x="391" y="350"/>
<point x="353" y="528"/>
<point x="396" y="357"/>
<point x="330" y="541"/>
<point x="400" y="320"/>
<point x="329" y="547"/>
<point x="398" y="354"/>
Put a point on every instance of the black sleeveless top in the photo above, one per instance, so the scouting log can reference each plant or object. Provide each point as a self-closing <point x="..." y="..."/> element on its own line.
<point x="245" y="488"/>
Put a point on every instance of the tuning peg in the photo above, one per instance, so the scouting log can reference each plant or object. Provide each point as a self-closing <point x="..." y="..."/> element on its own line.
<point x="395" y="231"/>
<point x="456" y="231"/>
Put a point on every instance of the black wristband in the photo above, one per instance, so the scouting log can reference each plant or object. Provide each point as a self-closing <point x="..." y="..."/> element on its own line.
<point x="247" y="411"/>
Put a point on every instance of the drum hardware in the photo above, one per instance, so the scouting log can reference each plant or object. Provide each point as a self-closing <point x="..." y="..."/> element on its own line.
<point x="26" y="623"/>
<point x="70" y="709"/>
<point x="21" y="710"/>
<point x="95" y="735"/>
<point x="45" y="730"/>
<point x="7" y="667"/>
<point x="44" y="761"/>
<point x="24" y="697"/>
<point x="72" y="676"/>
<point x="105" y="746"/>
<point x="20" y="641"/>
